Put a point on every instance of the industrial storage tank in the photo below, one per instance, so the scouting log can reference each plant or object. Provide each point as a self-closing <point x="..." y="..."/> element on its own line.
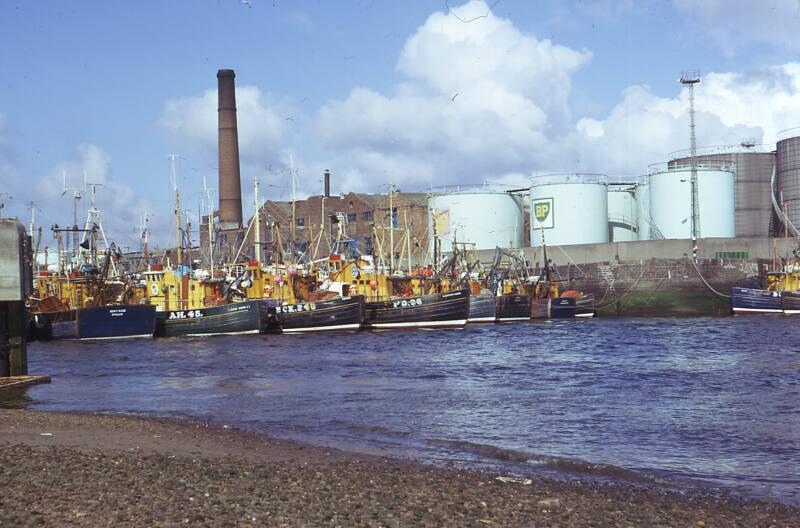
<point x="482" y="216"/>
<point x="671" y="201"/>
<point x="787" y="171"/>
<point x="570" y="209"/>
<point x="752" y="182"/>
<point x="643" y="207"/>
<point x="623" y="213"/>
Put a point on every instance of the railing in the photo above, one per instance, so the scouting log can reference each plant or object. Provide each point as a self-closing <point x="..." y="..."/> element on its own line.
<point x="551" y="179"/>
<point x="788" y="133"/>
<point x="672" y="166"/>
<point x="487" y="186"/>
<point x="720" y="149"/>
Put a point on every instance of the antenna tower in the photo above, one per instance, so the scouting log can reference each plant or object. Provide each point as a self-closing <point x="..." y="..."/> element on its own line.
<point x="94" y="221"/>
<point x="690" y="79"/>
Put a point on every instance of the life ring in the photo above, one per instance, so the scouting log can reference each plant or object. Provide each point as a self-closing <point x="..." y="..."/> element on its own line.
<point x="154" y="289"/>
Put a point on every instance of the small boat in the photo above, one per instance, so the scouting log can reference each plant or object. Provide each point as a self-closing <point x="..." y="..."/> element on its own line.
<point x="246" y="317"/>
<point x="103" y="322"/>
<point x="566" y="306"/>
<point x="513" y="307"/>
<point x="337" y="314"/>
<point x="482" y="308"/>
<point x="751" y="300"/>
<point x="439" y="310"/>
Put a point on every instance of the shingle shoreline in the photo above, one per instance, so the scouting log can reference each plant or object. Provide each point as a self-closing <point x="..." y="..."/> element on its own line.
<point x="64" y="469"/>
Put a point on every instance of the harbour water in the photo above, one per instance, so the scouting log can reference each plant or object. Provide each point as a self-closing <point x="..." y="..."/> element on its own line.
<point x="673" y="402"/>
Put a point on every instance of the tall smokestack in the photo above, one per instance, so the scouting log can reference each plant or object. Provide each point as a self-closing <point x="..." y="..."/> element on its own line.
<point x="230" y="185"/>
<point x="327" y="183"/>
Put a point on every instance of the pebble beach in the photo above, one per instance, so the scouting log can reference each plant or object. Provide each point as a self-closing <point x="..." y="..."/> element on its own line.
<point x="69" y="469"/>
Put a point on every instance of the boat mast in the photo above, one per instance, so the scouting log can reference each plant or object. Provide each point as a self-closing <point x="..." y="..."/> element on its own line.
<point x="257" y="236"/>
<point x="172" y="158"/>
<point x="294" y="210"/>
<point x="210" y="220"/>
<point x="391" y="229"/>
<point x="408" y="240"/>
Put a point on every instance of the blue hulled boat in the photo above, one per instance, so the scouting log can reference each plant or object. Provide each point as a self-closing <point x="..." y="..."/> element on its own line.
<point x="104" y="322"/>
<point x="751" y="300"/>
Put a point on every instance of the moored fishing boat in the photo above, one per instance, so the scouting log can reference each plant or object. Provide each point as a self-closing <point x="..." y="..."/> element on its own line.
<point x="751" y="300"/>
<point x="336" y="314"/>
<point x="564" y="307"/>
<point x="440" y="310"/>
<point x="245" y="317"/>
<point x="103" y="322"/>
<point x="482" y="308"/>
<point x="513" y="307"/>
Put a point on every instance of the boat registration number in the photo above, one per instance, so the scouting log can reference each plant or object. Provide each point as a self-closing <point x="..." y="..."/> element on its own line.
<point x="188" y="314"/>
<point x="407" y="303"/>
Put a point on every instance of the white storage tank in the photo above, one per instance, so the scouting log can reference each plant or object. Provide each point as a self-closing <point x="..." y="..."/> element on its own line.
<point x="570" y="209"/>
<point x="482" y="216"/>
<point x="623" y="214"/>
<point x="643" y="207"/>
<point x="671" y="201"/>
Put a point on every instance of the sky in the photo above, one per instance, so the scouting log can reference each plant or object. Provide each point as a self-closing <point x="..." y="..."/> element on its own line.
<point x="417" y="94"/>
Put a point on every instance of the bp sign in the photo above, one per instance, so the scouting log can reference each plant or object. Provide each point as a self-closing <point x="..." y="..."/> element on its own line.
<point x="543" y="213"/>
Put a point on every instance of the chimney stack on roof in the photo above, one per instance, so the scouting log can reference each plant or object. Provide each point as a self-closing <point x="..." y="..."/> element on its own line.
<point x="230" y="186"/>
<point x="327" y="183"/>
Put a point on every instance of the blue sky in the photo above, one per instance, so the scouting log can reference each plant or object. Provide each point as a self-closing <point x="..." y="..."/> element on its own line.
<point x="378" y="91"/>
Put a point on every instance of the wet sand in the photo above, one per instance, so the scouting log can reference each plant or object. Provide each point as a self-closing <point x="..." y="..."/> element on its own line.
<point x="64" y="469"/>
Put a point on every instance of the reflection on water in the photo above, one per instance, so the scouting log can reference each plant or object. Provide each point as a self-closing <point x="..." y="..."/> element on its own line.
<point x="713" y="400"/>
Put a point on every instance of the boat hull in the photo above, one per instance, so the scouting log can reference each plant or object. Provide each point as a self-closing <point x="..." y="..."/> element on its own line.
<point x="246" y="317"/>
<point x="104" y="322"/>
<point x="513" y="308"/>
<point x="344" y="314"/>
<point x="441" y="310"/>
<point x="753" y="301"/>
<point x="482" y="309"/>
<point x="564" y="308"/>
<point x="790" y="302"/>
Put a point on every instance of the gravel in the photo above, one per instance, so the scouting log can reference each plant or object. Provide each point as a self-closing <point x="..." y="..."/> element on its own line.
<point x="64" y="469"/>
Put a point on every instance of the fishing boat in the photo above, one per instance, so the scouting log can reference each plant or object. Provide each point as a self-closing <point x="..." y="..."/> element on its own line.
<point x="104" y="322"/>
<point x="246" y="317"/>
<point x="566" y="306"/>
<point x="513" y="307"/>
<point x="440" y="310"/>
<point x="756" y="301"/>
<point x="339" y="314"/>
<point x="769" y="300"/>
<point x="482" y="308"/>
<point x="549" y="302"/>
<point x="512" y="285"/>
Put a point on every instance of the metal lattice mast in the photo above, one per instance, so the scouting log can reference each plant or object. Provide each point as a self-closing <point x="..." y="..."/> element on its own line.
<point x="690" y="79"/>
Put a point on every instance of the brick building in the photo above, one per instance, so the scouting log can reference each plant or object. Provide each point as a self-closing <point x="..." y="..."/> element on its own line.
<point x="362" y="219"/>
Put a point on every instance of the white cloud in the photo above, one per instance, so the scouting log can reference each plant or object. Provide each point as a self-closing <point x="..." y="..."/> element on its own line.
<point x="262" y="120"/>
<point x="484" y="101"/>
<point x="645" y="128"/>
<point x="120" y="205"/>
<point x="481" y="100"/>
<point x="731" y="23"/>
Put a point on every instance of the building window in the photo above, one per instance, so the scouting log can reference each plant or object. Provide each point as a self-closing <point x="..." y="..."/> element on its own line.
<point x="366" y="215"/>
<point x="351" y="217"/>
<point x="394" y="217"/>
<point x="301" y="221"/>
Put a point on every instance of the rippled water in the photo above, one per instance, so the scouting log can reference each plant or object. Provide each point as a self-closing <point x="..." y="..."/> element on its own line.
<point x="715" y="401"/>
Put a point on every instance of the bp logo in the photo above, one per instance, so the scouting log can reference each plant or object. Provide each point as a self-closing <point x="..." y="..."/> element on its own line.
<point x="543" y="213"/>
